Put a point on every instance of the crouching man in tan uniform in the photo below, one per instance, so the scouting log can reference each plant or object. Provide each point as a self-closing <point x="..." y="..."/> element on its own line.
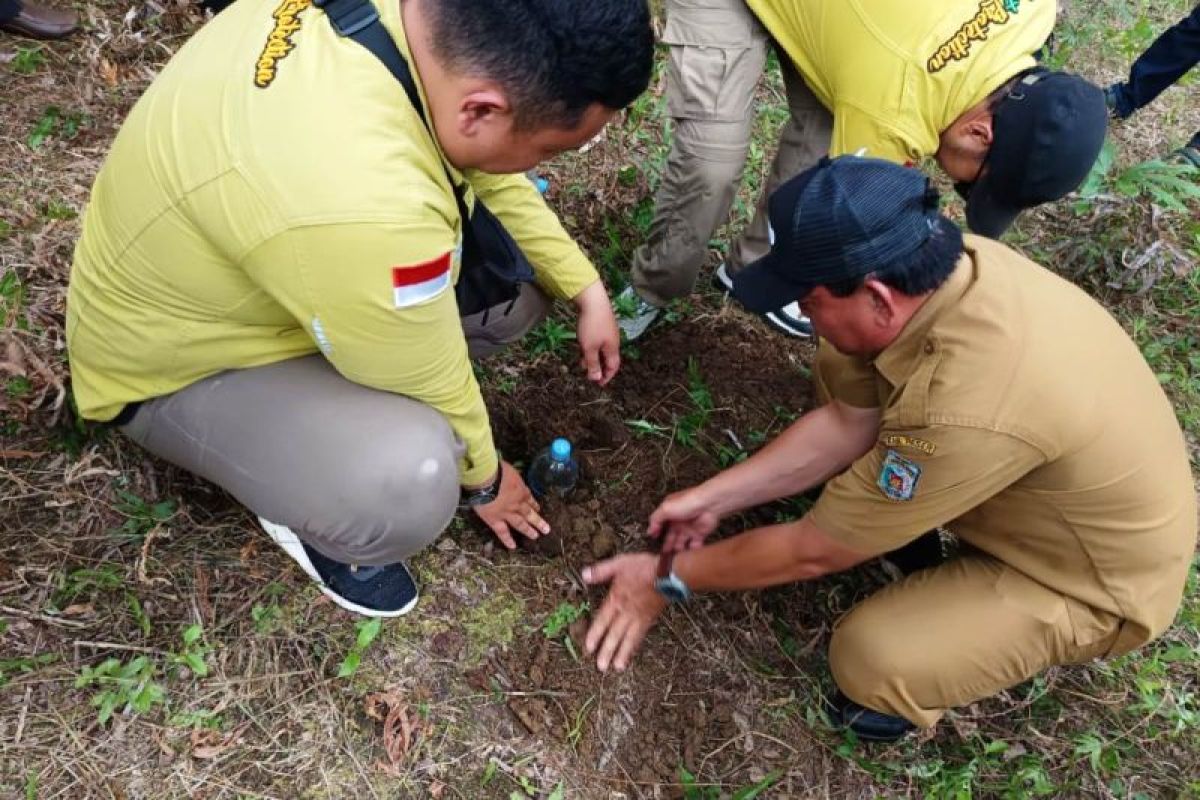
<point x="964" y="387"/>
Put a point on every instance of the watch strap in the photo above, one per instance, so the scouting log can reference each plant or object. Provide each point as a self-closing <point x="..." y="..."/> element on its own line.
<point x="490" y="492"/>
<point x="666" y="560"/>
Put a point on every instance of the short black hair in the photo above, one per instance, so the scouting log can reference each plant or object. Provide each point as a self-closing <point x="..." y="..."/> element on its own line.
<point x="921" y="271"/>
<point x="554" y="58"/>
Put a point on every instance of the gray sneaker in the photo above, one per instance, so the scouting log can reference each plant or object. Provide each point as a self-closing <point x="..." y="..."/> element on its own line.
<point x="634" y="315"/>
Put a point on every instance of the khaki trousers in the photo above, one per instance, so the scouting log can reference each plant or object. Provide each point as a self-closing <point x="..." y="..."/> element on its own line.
<point x="718" y="51"/>
<point x="364" y="476"/>
<point x="957" y="633"/>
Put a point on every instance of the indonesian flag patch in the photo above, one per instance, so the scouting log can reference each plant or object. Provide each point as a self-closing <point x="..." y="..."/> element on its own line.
<point x="417" y="283"/>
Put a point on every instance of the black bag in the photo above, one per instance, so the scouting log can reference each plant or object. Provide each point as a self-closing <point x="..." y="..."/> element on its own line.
<point x="493" y="264"/>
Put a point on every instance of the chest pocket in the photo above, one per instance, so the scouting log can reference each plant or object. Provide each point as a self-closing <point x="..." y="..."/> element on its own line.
<point x="907" y="405"/>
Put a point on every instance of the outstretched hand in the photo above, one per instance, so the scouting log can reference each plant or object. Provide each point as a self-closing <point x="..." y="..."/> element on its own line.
<point x="684" y="520"/>
<point x="513" y="509"/>
<point x="629" y="610"/>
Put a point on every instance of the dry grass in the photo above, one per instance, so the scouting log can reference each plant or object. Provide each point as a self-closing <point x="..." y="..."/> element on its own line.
<point x="92" y="567"/>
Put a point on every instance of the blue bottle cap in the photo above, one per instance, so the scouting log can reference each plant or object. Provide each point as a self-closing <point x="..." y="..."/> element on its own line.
<point x="542" y="184"/>
<point x="560" y="450"/>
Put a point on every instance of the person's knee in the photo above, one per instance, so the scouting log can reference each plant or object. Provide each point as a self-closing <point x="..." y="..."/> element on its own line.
<point x="867" y="661"/>
<point x="711" y="156"/>
<point x="406" y="492"/>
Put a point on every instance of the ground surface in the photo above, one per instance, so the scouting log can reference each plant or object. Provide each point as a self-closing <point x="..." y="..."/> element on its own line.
<point x="128" y="587"/>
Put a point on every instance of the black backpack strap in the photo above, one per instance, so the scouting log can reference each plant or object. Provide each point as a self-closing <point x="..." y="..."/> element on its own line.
<point x="359" y="20"/>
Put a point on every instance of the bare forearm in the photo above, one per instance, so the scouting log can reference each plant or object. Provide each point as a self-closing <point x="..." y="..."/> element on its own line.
<point x="816" y="447"/>
<point x="762" y="557"/>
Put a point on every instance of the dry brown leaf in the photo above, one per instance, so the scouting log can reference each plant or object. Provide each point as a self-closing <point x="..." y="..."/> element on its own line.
<point x="207" y="743"/>
<point x="209" y="751"/>
<point x="400" y="729"/>
<point x="108" y="71"/>
<point x="78" y="610"/>
<point x="248" y="552"/>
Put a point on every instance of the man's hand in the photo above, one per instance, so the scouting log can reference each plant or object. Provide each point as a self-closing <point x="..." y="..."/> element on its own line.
<point x="514" y="507"/>
<point x="631" y="607"/>
<point x="598" y="335"/>
<point x="686" y="518"/>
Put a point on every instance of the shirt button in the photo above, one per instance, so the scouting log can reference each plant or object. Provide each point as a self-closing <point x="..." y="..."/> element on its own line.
<point x="929" y="348"/>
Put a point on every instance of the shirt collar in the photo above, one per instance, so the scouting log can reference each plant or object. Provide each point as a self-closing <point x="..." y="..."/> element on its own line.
<point x="899" y="359"/>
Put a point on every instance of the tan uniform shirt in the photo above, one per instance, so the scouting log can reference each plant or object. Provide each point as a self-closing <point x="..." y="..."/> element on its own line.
<point x="1016" y="411"/>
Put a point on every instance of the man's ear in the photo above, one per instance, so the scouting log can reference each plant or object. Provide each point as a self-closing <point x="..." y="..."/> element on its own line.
<point x="883" y="302"/>
<point x="980" y="131"/>
<point x="482" y="108"/>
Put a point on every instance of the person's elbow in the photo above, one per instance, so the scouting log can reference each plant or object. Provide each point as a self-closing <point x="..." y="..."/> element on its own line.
<point x="816" y="553"/>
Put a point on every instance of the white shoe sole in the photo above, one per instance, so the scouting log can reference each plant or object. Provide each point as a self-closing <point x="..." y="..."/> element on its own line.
<point x="722" y="277"/>
<point x="290" y="543"/>
<point x="778" y="323"/>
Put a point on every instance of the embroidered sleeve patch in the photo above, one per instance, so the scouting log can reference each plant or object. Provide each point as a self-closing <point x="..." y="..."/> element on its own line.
<point x="975" y="29"/>
<point x="898" y="477"/>
<point x="279" y="41"/>
<point x="417" y="283"/>
<point x="902" y="440"/>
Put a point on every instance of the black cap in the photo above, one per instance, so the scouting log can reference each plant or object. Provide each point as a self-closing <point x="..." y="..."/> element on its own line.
<point x="1046" y="134"/>
<point x="844" y="218"/>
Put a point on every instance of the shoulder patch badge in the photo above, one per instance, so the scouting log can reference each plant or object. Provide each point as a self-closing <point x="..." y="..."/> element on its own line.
<point x="898" y="477"/>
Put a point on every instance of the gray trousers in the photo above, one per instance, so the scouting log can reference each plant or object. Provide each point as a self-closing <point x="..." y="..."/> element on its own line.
<point x="361" y="475"/>
<point x="718" y="52"/>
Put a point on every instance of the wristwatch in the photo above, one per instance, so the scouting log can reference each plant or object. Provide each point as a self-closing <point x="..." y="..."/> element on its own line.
<point x="667" y="583"/>
<point x="480" y="497"/>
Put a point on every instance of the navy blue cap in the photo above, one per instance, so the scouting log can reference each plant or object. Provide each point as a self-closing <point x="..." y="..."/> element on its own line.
<point x="1046" y="134"/>
<point x="844" y="218"/>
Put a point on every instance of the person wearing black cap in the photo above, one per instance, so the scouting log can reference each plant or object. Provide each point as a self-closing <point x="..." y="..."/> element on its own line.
<point x="951" y="399"/>
<point x="955" y="80"/>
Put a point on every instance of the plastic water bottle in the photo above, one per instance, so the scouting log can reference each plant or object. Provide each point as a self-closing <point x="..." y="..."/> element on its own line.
<point x="542" y="184"/>
<point x="553" y="471"/>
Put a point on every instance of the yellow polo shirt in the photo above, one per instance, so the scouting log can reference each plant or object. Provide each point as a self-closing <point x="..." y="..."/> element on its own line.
<point x="896" y="73"/>
<point x="1016" y="411"/>
<point x="264" y="200"/>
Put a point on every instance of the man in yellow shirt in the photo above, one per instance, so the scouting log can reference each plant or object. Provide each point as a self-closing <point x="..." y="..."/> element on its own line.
<point x="265" y="289"/>
<point x="956" y="80"/>
<point x="964" y="386"/>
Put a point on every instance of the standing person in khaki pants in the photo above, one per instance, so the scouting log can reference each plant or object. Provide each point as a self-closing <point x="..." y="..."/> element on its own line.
<point x="964" y="386"/>
<point x="899" y="80"/>
<point x="270" y="289"/>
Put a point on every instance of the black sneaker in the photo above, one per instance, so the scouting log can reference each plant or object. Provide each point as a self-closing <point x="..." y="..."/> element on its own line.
<point x="868" y="725"/>
<point x="387" y="591"/>
<point x="1190" y="152"/>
